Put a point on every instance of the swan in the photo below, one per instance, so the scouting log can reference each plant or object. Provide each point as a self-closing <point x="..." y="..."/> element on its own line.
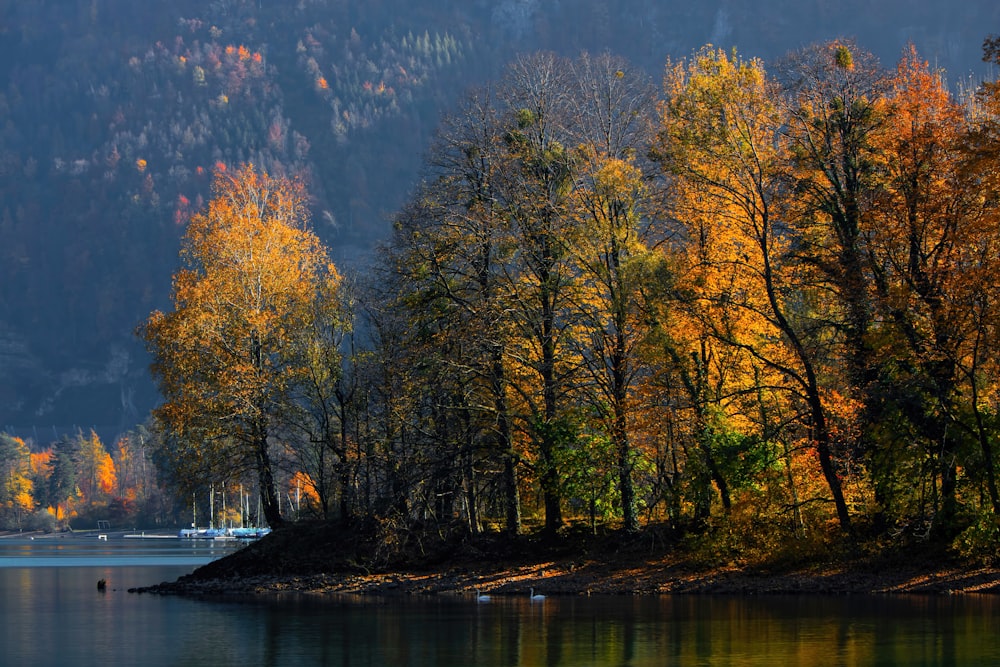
<point x="481" y="598"/>
<point x="535" y="598"/>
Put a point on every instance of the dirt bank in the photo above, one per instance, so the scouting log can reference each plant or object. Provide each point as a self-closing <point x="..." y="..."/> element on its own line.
<point x="320" y="558"/>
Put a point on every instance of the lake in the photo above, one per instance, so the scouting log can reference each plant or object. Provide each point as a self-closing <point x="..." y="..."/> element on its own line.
<point x="51" y="613"/>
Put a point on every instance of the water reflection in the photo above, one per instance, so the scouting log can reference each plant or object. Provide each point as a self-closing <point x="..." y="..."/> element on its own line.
<point x="621" y="631"/>
<point x="54" y="615"/>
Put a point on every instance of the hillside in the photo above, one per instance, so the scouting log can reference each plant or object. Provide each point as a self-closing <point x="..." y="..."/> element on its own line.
<point x="114" y="115"/>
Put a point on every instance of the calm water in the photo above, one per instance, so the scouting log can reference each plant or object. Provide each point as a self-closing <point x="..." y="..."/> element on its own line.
<point x="51" y="613"/>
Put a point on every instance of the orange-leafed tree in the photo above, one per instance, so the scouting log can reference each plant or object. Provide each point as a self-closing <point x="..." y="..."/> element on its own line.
<point x="926" y="236"/>
<point x="136" y="472"/>
<point x="302" y="494"/>
<point x="228" y="357"/>
<point x="718" y="143"/>
<point x="96" y="476"/>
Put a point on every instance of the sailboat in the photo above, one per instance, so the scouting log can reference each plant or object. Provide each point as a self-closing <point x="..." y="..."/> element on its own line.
<point x="213" y="533"/>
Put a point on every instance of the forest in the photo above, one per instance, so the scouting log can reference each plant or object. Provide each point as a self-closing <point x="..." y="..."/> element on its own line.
<point x="750" y="304"/>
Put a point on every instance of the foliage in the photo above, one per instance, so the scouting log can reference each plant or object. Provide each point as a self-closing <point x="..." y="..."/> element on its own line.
<point x="16" y="501"/>
<point x="979" y="541"/>
<point x="78" y="480"/>
<point x="231" y="356"/>
<point x="750" y="333"/>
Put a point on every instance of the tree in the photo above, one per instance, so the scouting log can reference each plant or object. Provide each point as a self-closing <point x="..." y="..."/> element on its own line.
<point x="41" y="473"/>
<point x="835" y="111"/>
<point x="16" y="500"/>
<point x="535" y="185"/>
<point x="608" y="252"/>
<point x="990" y="93"/>
<point x="318" y="416"/>
<point x="96" y="476"/>
<point x="923" y="239"/>
<point x="718" y="142"/>
<point x="512" y="263"/>
<point x="63" y="490"/>
<point x="610" y="201"/>
<point x="450" y="253"/>
<point x="226" y="358"/>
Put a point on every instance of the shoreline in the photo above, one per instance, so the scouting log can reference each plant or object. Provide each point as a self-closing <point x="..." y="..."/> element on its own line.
<point x="514" y="584"/>
<point x="330" y="561"/>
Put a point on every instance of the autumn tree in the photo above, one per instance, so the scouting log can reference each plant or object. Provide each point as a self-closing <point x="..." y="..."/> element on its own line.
<point x="835" y="112"/>
<point x="139" y="494"/>
<point x="513" y="263"/>
<point x="924" y="239"/>
<point x="96" y="477"/>
<point x="719" y="143"/>
<point x="611" y="106"/>
<point x="16" y="500"/>
<point x="450" y="253"/>
<point x="535" y="185"/>
<point x="135" y="472"/>
<point x="318" y="416"/>
<point x="227" y="358"/>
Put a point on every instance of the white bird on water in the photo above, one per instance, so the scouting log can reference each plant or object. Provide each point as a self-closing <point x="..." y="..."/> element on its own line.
<point x="535" y="598"/>
<point x="481" y="598"/>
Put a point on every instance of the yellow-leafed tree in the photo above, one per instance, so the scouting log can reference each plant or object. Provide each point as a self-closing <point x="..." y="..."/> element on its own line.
<point x="718" y="142"/>
<point x="16" y="500"/>
<point x="230" y="354"/>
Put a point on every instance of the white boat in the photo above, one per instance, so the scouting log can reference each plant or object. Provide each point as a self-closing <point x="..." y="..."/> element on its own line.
<point x="247" y="533"/>
<point x="212" y="533"/>
<point x="223" y="533"/>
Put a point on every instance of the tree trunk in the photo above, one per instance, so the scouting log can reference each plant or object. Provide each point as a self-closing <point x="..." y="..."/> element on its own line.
<point x="988" y="465"/>
<point x="630" y="516"/>
<point x="505" y="445"/>
<point x="345" y="505"/>
<point x="469" y="473"/>
<point x="265" y="474"/>
<point x="550" y="473"/>
<point x="823" y="449"/>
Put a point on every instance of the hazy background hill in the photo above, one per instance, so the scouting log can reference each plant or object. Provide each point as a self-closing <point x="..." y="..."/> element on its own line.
<point x="115" y="113"/>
